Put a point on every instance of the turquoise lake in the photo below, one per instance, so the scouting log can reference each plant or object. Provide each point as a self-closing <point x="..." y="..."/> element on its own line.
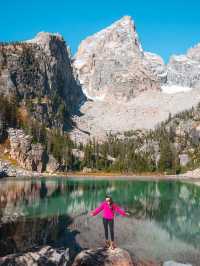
<point x="164" y="221"/>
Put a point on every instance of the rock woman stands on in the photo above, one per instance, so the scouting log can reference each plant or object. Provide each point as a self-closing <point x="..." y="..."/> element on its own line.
<point x="109" y="209"/>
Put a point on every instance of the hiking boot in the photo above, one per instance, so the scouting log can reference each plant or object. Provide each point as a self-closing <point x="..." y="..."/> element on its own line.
<point x="112" y="245"/>
<point x="107" y="244"/>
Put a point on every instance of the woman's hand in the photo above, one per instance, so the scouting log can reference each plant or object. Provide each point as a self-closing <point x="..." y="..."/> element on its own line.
<point x="91" y="214"/>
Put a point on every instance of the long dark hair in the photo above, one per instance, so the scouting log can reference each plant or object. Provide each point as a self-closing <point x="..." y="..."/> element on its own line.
<point x="111" y="200"/>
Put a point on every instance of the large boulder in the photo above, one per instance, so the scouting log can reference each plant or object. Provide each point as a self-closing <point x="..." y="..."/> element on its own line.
<point x="110" y="64"/>
<point x="108" y="257"/>
<point x="103" y="257"/>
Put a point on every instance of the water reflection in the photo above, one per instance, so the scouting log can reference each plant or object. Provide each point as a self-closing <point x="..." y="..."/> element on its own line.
<point x="46" y="206"/>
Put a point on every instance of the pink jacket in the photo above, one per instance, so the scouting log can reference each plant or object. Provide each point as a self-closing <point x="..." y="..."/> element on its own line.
<point x="109" y="212"/>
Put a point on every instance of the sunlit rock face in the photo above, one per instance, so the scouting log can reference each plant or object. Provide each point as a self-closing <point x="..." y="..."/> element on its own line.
<point x="28" y="155"/>
<point x="184" y="70"/>
<point x="109" y="64"/>
<point x="129" y="87"/>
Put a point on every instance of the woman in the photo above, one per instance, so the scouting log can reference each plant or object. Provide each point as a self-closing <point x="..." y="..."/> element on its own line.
<point x="109" y="209"/>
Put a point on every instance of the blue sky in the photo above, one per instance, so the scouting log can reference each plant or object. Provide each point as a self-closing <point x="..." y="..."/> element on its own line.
<point x="164" y="27"/>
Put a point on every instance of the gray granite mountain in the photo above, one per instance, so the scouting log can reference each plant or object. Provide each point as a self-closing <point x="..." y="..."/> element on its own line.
<point x="39" y="73"/>
<point x="184" y="70"/>
<point x="129" y="87"/>
<point x="110" y="65"/>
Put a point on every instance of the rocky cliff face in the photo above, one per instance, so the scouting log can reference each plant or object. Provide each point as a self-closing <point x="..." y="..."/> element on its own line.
<point x="109" y="64"/>
<point x="28" y="155"/>
<point x="157" y="66"/>
<point x="184" y="70"/>
<point x="39" y="73"/>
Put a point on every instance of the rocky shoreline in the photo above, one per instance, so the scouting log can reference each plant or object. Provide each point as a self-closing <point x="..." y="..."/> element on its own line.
<point x="48" y="255"/>
<point x="8" y="170"/>
<point x="31" y="160"/>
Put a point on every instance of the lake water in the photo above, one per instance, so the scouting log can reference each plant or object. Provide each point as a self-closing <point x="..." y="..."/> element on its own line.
<point x="164" y="221"/>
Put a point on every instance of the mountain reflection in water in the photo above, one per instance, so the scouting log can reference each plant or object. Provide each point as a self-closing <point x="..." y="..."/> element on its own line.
<point x="55" y="211"/>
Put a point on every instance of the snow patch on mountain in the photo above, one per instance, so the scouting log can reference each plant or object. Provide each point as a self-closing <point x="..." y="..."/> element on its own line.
<point x="93" y="98"/>
<point x="171" y="89"/>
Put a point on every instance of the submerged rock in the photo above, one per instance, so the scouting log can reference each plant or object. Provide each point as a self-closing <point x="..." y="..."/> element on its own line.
<point x="43" y="256"/>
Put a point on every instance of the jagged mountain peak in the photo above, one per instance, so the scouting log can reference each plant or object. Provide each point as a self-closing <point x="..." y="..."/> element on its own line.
<point x="110" y="65"/>
<point x="194" y="52"/>
<point x="121" y="31"/>
<point x="184" y="69"/>
<point x="44" y="37"/>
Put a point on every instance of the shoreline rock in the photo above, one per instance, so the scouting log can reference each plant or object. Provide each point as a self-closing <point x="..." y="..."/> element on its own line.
<point x="108" y="257"/>
<point x="47" y="255"/>
<point x="100" y="257"/>
<point x="42" y="256"/>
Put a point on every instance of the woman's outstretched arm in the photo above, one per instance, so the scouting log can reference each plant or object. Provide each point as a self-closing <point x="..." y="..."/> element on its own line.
<point x="97" y="210"/>
<point x="120" y="210"/>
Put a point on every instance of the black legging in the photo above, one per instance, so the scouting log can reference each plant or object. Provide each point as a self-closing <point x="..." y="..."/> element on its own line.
<point x="109" y="223"/>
